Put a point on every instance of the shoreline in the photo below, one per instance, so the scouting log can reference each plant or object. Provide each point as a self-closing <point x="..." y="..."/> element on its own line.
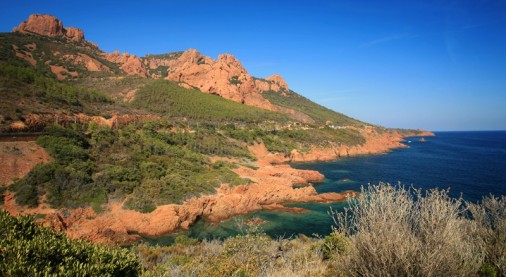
<point x="275" y="184"/>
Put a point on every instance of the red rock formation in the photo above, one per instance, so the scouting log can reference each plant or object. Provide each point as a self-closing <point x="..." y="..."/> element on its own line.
<point x="48" y="25"/>
<point x="74" y="34"/>
<point x="274" y="83"/>
<point x="225" y="77"/>
<point x="376" y="143"/>
<point x="41" y="24"/>
<point x="277" y="82"/>
<point x="130" y="64"/>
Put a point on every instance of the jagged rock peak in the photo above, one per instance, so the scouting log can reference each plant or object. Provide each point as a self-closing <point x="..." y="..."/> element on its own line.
<point x="278" y="80"/>
<point x="48" y="25"/>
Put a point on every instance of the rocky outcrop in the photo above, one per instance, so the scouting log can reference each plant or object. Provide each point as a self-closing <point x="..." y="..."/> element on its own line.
<point x="375" y="143"/>
<point x="48" y="25"/>
<point x="224" y="76"/>
<point x="25" y="55"/>
<point x="274" y="83"/>
<point x="130" y="64"/>
<point x="74" y="34"/>
<point x="277" y="82"/>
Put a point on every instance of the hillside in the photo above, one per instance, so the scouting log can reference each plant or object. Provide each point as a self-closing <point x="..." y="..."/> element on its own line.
<point x="43" y="42"/>
<point x="163" y="138"/>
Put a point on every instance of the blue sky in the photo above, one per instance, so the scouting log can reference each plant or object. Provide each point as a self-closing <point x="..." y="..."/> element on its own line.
<point x="437" y="65"/>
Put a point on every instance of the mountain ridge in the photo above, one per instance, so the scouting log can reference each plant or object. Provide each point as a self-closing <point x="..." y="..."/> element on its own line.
<point x="225" y="76"/>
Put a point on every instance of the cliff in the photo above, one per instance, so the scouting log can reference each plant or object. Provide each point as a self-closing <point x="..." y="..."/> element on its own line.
<point x="48" y="25"/>
<point x="224" y="76"/>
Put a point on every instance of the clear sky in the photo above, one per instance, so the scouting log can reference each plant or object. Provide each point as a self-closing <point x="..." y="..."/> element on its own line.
<point x="436" y="65"/>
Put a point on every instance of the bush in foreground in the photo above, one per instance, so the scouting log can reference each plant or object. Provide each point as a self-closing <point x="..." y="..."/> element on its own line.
<point x="30" y="250"/>
<point x="490" y="217"/>
<point x="395" y="231"/>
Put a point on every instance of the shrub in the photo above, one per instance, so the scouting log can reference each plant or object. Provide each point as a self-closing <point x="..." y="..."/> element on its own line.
<point x="30" y="250"/>
<point x="490" y="217"/>
<point x="401" y="232"/>
<point x="28" y="189"/>
<point x="336" y="243"/>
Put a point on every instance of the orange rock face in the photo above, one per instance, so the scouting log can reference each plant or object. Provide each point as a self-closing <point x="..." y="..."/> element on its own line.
<point x="130" y="64"/>
<point x="274" y="83"/>
<point x="225" y="77"/>
<point x="41" y="24"/>
<point x="376" y="143"/>
<point x="48" y="25"/>
<point x="74" y="34"/>
<point x="278" y="83"/>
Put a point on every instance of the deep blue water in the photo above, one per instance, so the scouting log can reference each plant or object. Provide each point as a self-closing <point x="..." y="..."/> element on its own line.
<point x="469" y="163"/>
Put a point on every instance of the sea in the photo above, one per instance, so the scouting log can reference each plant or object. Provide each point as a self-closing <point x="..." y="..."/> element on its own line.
<point x="468" y="164"/>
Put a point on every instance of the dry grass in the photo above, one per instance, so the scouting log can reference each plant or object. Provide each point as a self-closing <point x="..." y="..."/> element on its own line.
<point x="386" y="231"/>
<point x="403" y="232"/>
<point x="490" y="216"/>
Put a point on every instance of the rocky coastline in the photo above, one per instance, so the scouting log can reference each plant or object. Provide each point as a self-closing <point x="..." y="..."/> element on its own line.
<point x="274" y="183"/>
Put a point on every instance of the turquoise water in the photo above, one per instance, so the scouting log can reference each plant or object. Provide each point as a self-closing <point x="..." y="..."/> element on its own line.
<point x="469" y="163"/>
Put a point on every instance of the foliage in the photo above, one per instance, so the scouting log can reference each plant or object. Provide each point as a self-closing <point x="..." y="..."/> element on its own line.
<point x="48" y="88"/>
<point x="43" y="94"/>
<point x="294" y="101"/>
<point x="30" y="250"/>
<point x="284" y="141"/>
<point x="336" y="243"/>
<point x="398" y="232"/>
<point x="490" y="216"/>
<point x="166" y="97"/>
<point x="2" y="190"/>
<point x="51" y="51"/>
<point x="166" y="56"/>
<point x="31" y="186"/>
<point x="250" y="254"/>
<point x="235" y="80"/>
<point x="149" y="166"/>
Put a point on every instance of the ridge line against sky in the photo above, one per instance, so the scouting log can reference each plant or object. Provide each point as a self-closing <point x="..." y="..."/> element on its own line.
<point x="436" y="65"/>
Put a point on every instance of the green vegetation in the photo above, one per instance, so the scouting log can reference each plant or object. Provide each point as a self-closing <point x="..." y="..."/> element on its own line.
<point x="251" y="254"/>
<point x="50" y="51"/>
<point x="29" y="250"/>
<point x="284" y="141"/>
<point x="320" y="114"/>
<point x="42" y="94"/>
<point x="386" y="231"/>
<point x="115" y="88"/>
<point x="166" y="56"/>
<point x="150" y="166"/>
<point x="162" y="71"/>
<point x="235" y="80"/>
<point x="166" y="97"/>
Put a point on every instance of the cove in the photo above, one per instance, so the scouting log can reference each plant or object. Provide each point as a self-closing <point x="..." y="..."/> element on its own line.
<point x="471" y="164"/>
